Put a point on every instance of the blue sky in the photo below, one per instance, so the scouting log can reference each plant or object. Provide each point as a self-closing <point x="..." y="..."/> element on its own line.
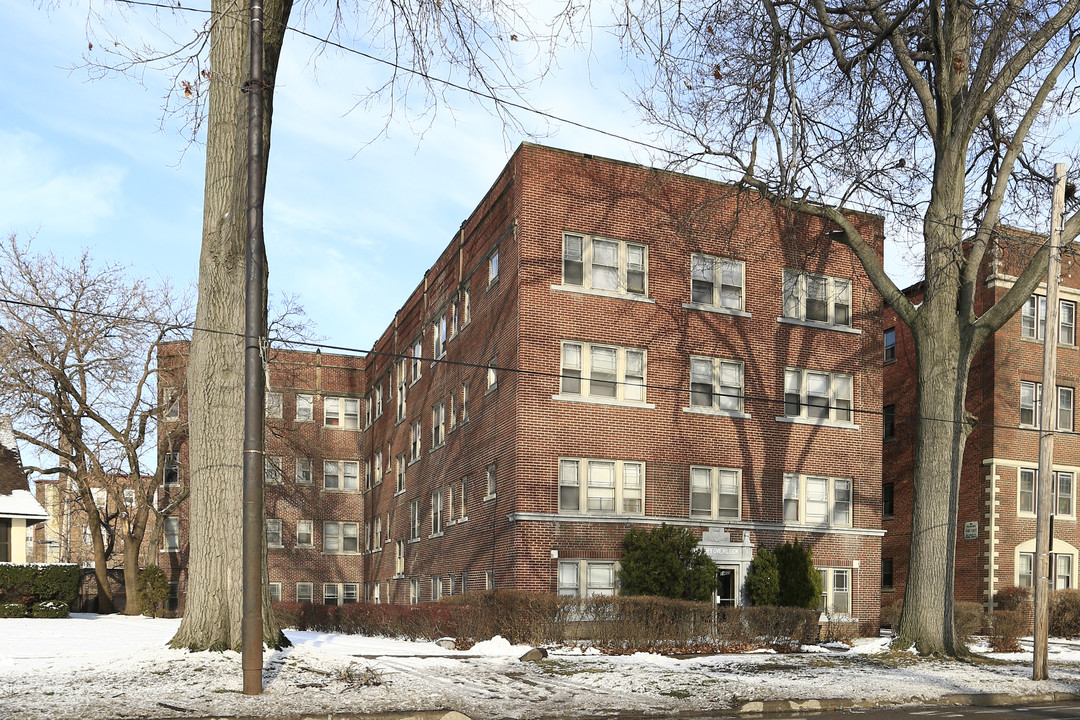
<point x="353" y="217"/>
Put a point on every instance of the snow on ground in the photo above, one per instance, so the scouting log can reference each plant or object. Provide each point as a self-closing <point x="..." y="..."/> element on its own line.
<point x="119" y="667"/>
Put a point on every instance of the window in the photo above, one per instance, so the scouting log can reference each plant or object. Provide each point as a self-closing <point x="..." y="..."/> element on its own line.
<point x="304" y="406"/>
<point x="579" y="578"/>
<point x="439" y="330"/>
<point x="601" y="264"/>
<point x="887" y="500"/>
<point x="171" y="469"/>
<point x="416" y="360"/>
<point x="399" y="558"/>
<point x="492" y="374"/>
<point x="465" y="403"/>
<point x="401" y="390"/>
<point x="466" y="307"/>
<point x="1033" y="320"/>
<point x="341" y="475"/>
<point x="400" y="462"/>
<point x="1062" y="493"/>
<point x="272" y="469"/>
<point x="341" y="412"/>
<point x="416" y="440"/>
<point x="1062" y="572"/>
<point x="817" y="397"/>
<point x="100" y="497"/>
<point x="414" y="590"/>
<point x="414" y="520"/>
<point x="716" y="282"/>
<point x="173" y="603"/>
<point x="601" y="487"/>
<point x="273" y="405"/>
<point x="462" y="513"/>
<point x="451" y="415"/>
<point x="887" y="573"/>
<point x="436" y="513"/>
<point x="716" y="384"/>
<point x="273" y="533"/>
<point x="715" y="492"/>
<point x="367" y="537"/>
<point x="493" y="266"/>
<point x="438" y="424"/>
<point x="171" y="401"/>
<point x="303" y="471"/>
<point x="275" y="592"/>
<point x="330" y="594"/>
<point x="888" y="422"/>
<point x="171" y="527"/>
<point x="304" y="533"/>
<point x="367" y="410"/>
<point x="890" y="345"/>
<point x="836" y="591"/>
<point x="604" y="372"/>
<point x="436" y="588"/>
<point x="490" y="482"/>
<point x="815" y="500"/>
<point x="341" y="537"/>
<point x="303" y="592"/>
<point x="378" y="399"/>
<point x="129" y="497"/>
<point x="343" y="594"/>
<point x="449" y="493"/>
<point x="378" y="469"/>
<point x="1031" y="406"/>
<point x="817" y="298"/>
<point x="489" y="580"/>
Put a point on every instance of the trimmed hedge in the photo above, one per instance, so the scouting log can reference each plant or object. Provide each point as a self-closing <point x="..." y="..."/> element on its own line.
<point x="615" y="624"/>
<point x="153" y="587"/>
<point x="50" y="609"/>
<point x="30" y="584"/>
<point x="1065" y="613"/>
<point x="12" y="610"/>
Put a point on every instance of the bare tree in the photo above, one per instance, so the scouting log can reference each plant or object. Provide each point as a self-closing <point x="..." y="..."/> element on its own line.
<point x="79" y="379"/>
<point x="942" y="112"/>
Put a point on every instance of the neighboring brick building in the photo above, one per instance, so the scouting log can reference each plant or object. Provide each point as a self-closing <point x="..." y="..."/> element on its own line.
<point x="995" y="541"/>
<point x="605" y="345"/>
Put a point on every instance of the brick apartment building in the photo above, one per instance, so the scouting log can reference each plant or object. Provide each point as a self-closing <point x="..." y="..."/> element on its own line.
<point x="995" y="541"/>
<point x="600" y="346"/>
<point x="604" y="345"/>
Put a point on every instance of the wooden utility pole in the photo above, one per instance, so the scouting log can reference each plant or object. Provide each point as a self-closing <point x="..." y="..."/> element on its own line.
<point x="1047" y="416"/>
<point x="251" y="627"/>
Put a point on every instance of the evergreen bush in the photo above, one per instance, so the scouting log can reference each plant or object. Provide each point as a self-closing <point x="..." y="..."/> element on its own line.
<point x="50" y="609"/>
<point x="28" y="584"/>
<point x="12" y="610"/>
<point x="666" y="561"/>
<point x="153" y="588"/>
<point x="800" y="581"/>
<point x="763" y="579"/>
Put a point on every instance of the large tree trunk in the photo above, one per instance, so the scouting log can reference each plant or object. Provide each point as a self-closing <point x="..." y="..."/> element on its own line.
<point x="212" y="615"/>
<point x="133" y="541"/>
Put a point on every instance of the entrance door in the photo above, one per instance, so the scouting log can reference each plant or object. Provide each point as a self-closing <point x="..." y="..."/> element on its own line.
<point x="726" y="585"/>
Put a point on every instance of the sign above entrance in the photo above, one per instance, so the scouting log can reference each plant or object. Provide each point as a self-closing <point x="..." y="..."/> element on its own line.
<point x="717" y="545"/>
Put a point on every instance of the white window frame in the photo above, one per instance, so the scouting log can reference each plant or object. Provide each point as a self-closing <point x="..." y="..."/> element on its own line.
<point x="797" y="382"/>
<point x="726" y="296"/>
<point x="802" y="492"/>
<point x="272" y="473"/>
<point x="587" y="578"/>
<point x="463" y="514"/>
<point x="305" y="528"/>
<point x="492" y="482"/>
<point x="579" y="380"/>
<point x="273" y="530"/>
<point x="440" y="336"/>
<point x="1031" y="404"/>
<point x="493" y="267"/>
<point x="715" y="493"/>
<point x="275" y="404"/>
<point x="378" y="400"/>
<point x="414" y="520"/>
<point x="170" y="534"/>
<point x="377" y="469"/>
<point x="621" y="494"/>
<point x="416" y="360"/>
<point x="492" y="374"/>
<point x="342" y="413"/>
<point x="794" y="298"/>
<point x="437" y="526"/>
<point x="723" y="380"/>
<point x="416" y="440"/>
<point x="305" y="407"/>
<point x="464" y="402"/>
<point x="438" y="425"/>
<point x="414" y="590"/>
<point x="836" y="592"/>
<point x="466" y="307"/>
<point x="1033" y="320"/>
<point x="436" y="588"/>
<point x="341" y="538"/>
<point x="170" y="472"/>
<point x="630" y="268"/>
<point x="1062" y="504"/>
<point x="399" y="558"/>
<point x="889" y="341"/>
<point x="305" y="592"/>
<point x="171" y="400"/>
<point x="402" y="463"/>
<point x="304" y="471"/>
<point x="274" y="591"/>
<point x="346" y="474"/>
<point x="402" y="389"/>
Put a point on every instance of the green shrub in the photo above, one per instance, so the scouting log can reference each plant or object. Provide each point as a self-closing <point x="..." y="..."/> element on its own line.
<point x="800" y="582"/>
<point x="28" y="584"/>
<point x="153" y="588"/>
<point x="666" y="561"/>
<point x="1065" y="613"/>
<point x="12" y="610"/>
<point x="50" y="609"/>
<point x="763" y="579"/>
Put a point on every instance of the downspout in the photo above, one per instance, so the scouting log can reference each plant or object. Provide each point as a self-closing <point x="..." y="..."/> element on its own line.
<point x="992" y="537"/>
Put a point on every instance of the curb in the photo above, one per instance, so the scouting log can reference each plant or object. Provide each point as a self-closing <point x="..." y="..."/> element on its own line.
<point x="761" y="707"/>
